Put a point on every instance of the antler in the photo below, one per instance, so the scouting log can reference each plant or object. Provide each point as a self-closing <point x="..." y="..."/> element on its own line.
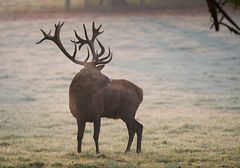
<point x="90" y="42"/>
<point x="56" y="39"/>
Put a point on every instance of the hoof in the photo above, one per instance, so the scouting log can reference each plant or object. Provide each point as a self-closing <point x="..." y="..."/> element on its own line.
<point x="138" y="151"/>
<point x="100" y="155"/>
<point x="126" y="151"/>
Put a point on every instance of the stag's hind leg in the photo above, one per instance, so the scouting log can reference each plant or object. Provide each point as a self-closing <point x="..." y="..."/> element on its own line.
<point x="81" y="129"/>
<point x="139" y="129"/>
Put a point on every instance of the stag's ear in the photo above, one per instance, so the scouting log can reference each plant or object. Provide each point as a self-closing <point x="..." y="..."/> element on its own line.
<point x="100" y="67"/>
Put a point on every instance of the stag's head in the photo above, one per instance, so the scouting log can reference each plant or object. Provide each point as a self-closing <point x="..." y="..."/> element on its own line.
<point x="91" y="73"/>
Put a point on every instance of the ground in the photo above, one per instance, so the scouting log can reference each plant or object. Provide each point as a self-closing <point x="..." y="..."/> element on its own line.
<point x="182" y="137"/>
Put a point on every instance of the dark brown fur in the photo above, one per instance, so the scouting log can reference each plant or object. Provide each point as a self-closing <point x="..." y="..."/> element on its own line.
<point x="93" y="96"/>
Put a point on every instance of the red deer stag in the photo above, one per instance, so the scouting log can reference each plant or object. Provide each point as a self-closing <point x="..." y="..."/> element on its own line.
<point x="93" y="96"/>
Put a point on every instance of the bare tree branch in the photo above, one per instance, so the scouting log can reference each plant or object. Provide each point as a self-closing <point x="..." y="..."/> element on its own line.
<point x="218" y="15"/>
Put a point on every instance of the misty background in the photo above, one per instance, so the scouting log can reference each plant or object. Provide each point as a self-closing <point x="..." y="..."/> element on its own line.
<point x="78" y="5"/>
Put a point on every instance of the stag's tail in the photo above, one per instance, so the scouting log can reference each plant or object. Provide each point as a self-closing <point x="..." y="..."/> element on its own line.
<point x="140" y="94"/>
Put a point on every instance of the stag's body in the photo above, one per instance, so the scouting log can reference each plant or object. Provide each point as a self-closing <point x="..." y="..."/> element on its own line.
<point x="92" y="95"/>
<point x="117" y="99"/>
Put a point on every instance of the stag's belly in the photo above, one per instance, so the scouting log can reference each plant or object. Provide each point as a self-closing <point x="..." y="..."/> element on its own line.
<point x="112" y="101"/>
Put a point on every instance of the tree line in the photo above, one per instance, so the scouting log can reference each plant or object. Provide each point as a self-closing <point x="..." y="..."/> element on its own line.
<point x="220" y="18"/>
<point x="101" y="3"/>
<point x="120" y="3"/>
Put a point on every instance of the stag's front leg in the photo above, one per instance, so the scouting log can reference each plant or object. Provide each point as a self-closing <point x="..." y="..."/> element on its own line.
<point x="96" y="124"/>
<point x="81" y="129"/>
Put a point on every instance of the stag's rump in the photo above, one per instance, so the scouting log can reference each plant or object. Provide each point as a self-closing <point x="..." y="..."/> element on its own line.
<point x="129" y="87"/>
<point x="118" y="100"/>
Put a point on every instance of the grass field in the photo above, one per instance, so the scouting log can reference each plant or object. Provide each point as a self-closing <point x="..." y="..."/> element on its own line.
<point x="172" y="137"/>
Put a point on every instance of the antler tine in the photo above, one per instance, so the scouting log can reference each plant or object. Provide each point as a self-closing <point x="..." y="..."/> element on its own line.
<point x="94" y="28"/>
<point x="106" y="57"/>
<point x="96" y="31"/>
<point x="85" y="32"/>
<point x="56" y="39"/>
<point x="75" y="49"/>
<point x="105" y="62"/>
<point x="109" y="57"/>
<point x="46" y="36"/>
<point x="80" y="40"/>
<point x="58" y="29"/>
<point x="90" y="42"/>
<point x="102" y="49"/>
